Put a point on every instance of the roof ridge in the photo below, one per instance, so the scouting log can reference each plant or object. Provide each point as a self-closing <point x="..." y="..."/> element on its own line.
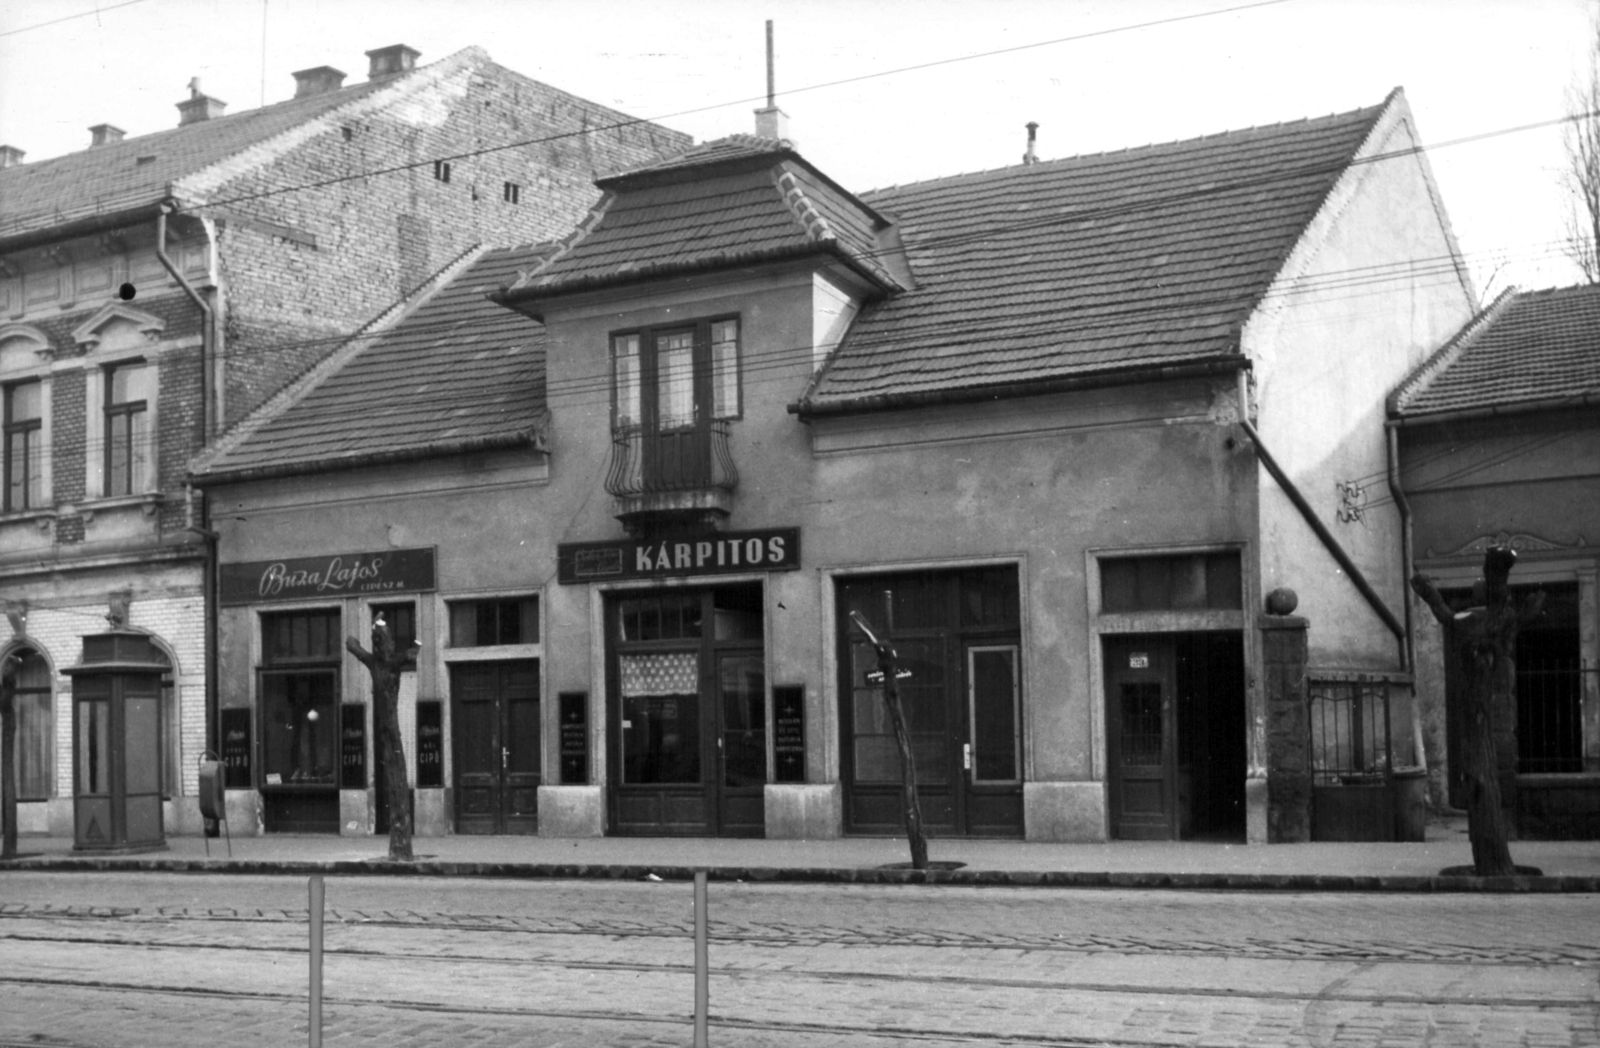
<point x="1427" y="372"/>
<point x="801" y="207"/>
<point x="1377" y="110"/>
<point x="219" y="172"/>
<point x="358" y="342"/>
<point x="566" y="244"/>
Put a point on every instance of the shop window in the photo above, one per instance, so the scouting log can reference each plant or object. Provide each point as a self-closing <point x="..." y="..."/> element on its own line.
<point x="660" y="717"/>
<point x="127" y="434"/>
<point x="1205" y="581"/>
<point x="24" y="446"/>
<point x="401" y="619"/>
<point x="487" y="623"/>
<point x="35" y="712"/>
<point x="299" y="697"/>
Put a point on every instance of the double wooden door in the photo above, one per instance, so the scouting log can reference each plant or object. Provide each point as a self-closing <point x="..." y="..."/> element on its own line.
<point x="494" y="715"/>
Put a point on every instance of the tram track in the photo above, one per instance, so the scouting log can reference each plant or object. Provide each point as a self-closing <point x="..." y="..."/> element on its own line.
<point x="792" y="973"/>
<point x="785" y="936"/>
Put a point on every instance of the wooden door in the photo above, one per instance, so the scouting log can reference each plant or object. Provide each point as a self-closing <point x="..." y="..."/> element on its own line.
<point x="495" y="731"/>
<point x="1141" y="737"/>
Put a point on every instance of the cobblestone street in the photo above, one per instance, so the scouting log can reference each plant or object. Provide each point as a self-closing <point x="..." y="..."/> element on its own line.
<point x="132" y="960"/>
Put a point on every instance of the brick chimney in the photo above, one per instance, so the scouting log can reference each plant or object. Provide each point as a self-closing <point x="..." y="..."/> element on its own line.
<point x="105" y="135"/>
<point x="198" y="106"/>
<point x="318" y="81"/>
<point x="391" y="60"/>
<point x="10" y="156"/>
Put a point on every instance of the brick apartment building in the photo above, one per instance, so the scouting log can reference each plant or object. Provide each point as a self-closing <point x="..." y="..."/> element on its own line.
<point x="155" y="289"/>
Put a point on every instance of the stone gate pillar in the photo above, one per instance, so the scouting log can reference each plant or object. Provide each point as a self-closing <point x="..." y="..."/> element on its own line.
<point x="1283" y="679"/>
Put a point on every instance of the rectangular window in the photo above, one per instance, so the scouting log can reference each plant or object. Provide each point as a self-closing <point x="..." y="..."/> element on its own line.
<point x="127" y="435"/>
<point x="35" y="728"/>
<point x="1171" y="583"/>
<point x="441" y="170"/>
<point x="24" y="443"/>
<point x="402" y="622"/>
<point x="486" y="623"/>
<point x="512" y="192"/>
<point x="673" y="379"/>
<point x="300" y="697"/>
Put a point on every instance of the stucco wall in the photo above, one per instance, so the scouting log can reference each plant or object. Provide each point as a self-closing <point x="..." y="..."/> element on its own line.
<point x="1370" y="292"/>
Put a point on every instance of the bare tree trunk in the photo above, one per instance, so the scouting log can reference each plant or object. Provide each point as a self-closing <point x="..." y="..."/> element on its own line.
<point x="385" y="666"/>
<point x="1482" y="642"/>
<point x="902" y="739"/>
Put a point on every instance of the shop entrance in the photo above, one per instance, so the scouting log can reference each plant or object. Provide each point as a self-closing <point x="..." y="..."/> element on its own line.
<point x="956" y="636"/>
<point x="1175" y="736"/>
<point x="687" y="708"/>
<point x="494" y="715"/>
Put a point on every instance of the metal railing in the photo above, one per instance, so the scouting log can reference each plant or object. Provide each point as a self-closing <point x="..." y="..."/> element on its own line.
<point x="695" y="458"/>
<point x="1349" y="731"/>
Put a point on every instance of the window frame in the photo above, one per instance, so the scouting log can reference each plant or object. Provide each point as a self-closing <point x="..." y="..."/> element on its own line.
<point x="454" y="645"/>
<point x="711" y="386"/>
<point x="112" y="412"/>
<point x="326" y="664"/>
<point x="31" y="430"/>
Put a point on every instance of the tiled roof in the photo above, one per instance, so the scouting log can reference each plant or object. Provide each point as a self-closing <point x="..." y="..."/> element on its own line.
<point x="1140" y="258"/>
<point x="1527" y="348"/>
<point x="458" y="373"/>
<point x="137" y="171"/>
<point x="736" y="200"/>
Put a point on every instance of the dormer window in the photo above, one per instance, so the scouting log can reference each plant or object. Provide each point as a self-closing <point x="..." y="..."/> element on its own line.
<point x="666" y="379"/>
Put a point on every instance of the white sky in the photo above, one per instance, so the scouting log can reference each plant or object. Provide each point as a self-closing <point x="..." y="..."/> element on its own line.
<point x="1469" y="67"/>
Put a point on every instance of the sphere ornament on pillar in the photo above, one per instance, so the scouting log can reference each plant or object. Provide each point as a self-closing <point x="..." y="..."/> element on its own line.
<point x="1282" y="601"/>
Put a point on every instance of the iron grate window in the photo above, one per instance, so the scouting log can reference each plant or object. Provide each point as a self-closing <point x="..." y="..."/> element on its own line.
<point x="1349" y="731"/>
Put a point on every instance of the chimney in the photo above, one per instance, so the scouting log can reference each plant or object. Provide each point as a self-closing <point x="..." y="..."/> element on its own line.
<point x="10" y="156"/>
<point x="391" y="60"/>
<point x="1033" y="133"/>
<point x="318" y="81"/>
<point x="105" y="135"/>
<point x="197" y="106"/>
<point x="771" y="122"/>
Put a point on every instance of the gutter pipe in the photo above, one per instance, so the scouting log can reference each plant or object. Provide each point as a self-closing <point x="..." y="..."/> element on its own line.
<point x="1311" y="518"/>
<point x="1407" y="558"/>
<point x="208" y="413"/>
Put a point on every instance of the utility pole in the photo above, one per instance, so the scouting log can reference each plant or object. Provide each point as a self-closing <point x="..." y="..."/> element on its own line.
<point x="1482" y="642"/>
<point x="902" y="738"/>
<point x="385" y="664"/>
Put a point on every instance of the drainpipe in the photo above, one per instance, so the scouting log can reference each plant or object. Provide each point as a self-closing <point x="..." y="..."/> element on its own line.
<point x="208" y="414"/>
<point x="1311" y="518"/>
<point x="1407" y="558"/>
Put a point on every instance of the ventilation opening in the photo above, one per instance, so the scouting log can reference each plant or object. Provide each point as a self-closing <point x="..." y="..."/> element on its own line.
<point x="441" y="170"/>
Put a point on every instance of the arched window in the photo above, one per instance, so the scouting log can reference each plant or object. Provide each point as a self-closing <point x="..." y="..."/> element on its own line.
<point x="35" y="728"/>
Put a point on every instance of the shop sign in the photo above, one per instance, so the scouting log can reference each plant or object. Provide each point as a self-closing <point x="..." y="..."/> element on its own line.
<point x="236" y="747"/>
<point x="574" y="738"/>
<point x="789" y="732"/>
<point x="389" y="571"/>
<point x="714" y="553"/>
<point x="430" y="744"/>
<point x="353" y="746"/>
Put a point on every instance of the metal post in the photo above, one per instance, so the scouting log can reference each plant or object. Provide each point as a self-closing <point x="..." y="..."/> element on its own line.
<point x="701" y="992"/>
<point x="316" y="962"/>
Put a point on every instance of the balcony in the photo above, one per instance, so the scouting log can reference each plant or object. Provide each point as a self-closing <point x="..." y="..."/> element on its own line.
<point x="675" y="477"/>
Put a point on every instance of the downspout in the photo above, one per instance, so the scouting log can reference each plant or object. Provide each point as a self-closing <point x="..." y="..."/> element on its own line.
<point x="1407" y="558"/>
<point x="1321" y="530"/>
<point x="207" y="429"/>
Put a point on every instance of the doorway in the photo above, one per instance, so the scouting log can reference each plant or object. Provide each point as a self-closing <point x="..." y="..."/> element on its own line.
<point x="958" y="656"/>
<point x="1175" y="736"/>
<point x="494" y="712"/>
<point x="687" y="705"/>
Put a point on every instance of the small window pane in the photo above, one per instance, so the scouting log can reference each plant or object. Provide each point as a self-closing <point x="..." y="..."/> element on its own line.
<point x="725" y="369"/>
<point x="25" y="402"/>
<point x="675" y="380"/>
<point x="625" y="363"/>
<point x="1224" y="588"/>
<point x="300" y="636"/>
<point x="487" y="623"/>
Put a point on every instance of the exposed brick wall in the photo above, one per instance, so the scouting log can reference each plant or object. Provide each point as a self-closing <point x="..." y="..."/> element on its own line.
<point x="66" y="435"/>
<point x="180" y="414"/>
<point x="379" y="238"/>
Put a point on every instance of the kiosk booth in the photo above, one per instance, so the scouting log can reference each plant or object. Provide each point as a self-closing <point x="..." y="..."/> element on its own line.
<point x="116" y="743"/>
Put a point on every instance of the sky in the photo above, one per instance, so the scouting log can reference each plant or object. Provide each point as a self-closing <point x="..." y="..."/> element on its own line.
<point x="882" y="92"/>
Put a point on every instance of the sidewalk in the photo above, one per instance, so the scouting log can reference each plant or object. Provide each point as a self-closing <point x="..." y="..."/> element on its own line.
<point x="1566" y="866"/>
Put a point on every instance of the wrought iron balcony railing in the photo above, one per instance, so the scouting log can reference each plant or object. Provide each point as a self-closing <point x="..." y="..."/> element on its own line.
<point x="678" y="471"/>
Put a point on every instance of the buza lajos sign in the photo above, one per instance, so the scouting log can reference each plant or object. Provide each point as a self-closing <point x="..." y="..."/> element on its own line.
<point x="334" y="575"/>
